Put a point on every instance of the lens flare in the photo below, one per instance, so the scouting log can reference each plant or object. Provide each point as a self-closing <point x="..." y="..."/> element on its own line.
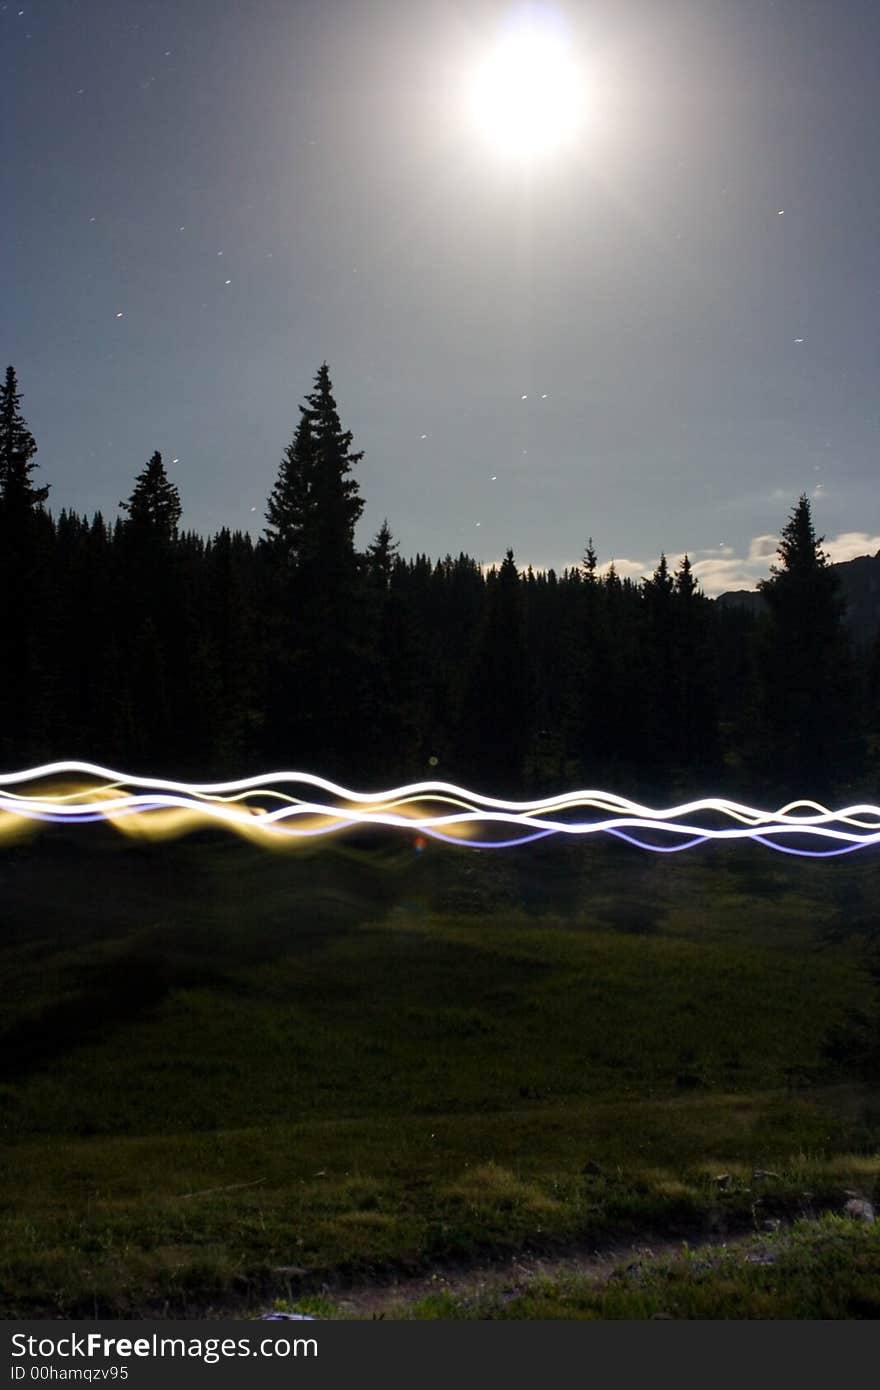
<point x="286" y="808"/>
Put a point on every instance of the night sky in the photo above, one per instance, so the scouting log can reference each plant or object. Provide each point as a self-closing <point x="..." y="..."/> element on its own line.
<point x="657" y="333"/>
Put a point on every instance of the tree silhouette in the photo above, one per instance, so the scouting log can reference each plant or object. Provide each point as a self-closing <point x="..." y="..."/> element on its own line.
<point x="288" y="507"/>
<point x="495" y="734"/>
<point x="686" y="586"/>
<point x="154" y="506"/>
<point x="806" y="663"/>
<point x="589" y="562"/>
<point x="18" y="495"/>
<point x="695" y="683"/>
<point x="137" y="643"/>
<point x="318" y="632"/>
<point x="315" y="504"/>
<point x="658" y="725"/>
<point x="154" y="620"/>
<point x="381" y="553"/>
<point x="27" y="620"/>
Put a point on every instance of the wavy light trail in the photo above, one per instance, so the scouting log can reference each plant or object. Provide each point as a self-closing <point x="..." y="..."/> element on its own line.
<point x="77" y="793"/>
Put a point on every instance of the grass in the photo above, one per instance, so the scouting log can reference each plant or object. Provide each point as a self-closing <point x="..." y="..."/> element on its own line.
<point x="229" y="1076"/>
<point x="825" y="1269"/>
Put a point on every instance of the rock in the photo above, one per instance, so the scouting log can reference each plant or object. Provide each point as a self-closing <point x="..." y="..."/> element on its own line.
<point x="722" y="1180"/>
<point x="762" y="1174"/>
<point x="290" y="1271"/>
<point x="287" y="1317"/>
<point x="860" y="1209"/>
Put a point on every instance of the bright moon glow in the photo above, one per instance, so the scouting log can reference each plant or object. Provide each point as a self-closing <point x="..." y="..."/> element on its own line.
<point x="527" y="96"/>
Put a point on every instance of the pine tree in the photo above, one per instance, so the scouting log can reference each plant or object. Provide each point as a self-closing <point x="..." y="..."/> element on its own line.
<point x="27" y="620"/>
<point x="381" y="555"/>
<point x="319" y="629"/>
<point x="686" y="586"/>
<point x="385" y="702"/>
<point x="695" y="683"/>
<point x="802" y="556"/>
<point x="806" y="664"/>
<point x="494" y="739"/>
<point x="337" y="504"/>
<point x="287" y="510"/>
<point x="315" y="504"/>
<point x="659" y="587"/>
<point x="589" y="562"/>
<point x="18" y="496"/>
<point x="658" y="721"/>
<point x="152" y="602"/>
<point x="154" y="506"/>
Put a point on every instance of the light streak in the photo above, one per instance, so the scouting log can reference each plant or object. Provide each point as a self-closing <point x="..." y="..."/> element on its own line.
<point x="283" y="808"/>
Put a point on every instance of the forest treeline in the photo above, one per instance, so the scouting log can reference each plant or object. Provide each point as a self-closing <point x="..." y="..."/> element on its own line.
<point x="140" y="644"/>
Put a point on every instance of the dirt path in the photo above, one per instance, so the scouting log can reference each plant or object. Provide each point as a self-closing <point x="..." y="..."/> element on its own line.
<point x="510" y="1277"/>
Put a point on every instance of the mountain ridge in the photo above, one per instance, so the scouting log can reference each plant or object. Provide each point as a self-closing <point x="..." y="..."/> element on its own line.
<point x="859" y="587"/>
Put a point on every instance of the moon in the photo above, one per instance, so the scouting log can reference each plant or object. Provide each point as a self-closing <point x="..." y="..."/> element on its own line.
<point x="527" y="95"/>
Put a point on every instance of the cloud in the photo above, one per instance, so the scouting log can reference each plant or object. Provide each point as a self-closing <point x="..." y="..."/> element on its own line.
<point x="761" y="547"/>
<point x="720" y="570"/>
<point x="717" y="576"/>
<point x="626" y="569"/>
<point x="849" y="544"/>
<point x="717" y="569"/>
<point x="719" y="573"/>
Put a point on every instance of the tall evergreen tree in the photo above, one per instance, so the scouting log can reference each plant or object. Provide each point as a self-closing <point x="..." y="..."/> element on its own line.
<point x="154" y="506"/>
<point x="589" y="562"/>
<point x="153" y="606"/>
<point x="806" y="664"/>
<point x="494" y="739"/>
<point x="319" y="661"/>
<point x="336" y="499"/>
<point x="658" y="721"/>
<point x="695" y="686"/>
<point x="26" y="617"/>
<point x="288" y="507"/>
<point x="315" y="504"/>
<point x="18" y="495"/>
<point x="685" y="583"/>
<point x="381" y="553"/>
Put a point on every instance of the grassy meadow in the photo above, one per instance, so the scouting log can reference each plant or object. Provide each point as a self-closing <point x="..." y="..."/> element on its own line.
<point x="825" y="1268"/>
<point x="229" y="1076"/>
